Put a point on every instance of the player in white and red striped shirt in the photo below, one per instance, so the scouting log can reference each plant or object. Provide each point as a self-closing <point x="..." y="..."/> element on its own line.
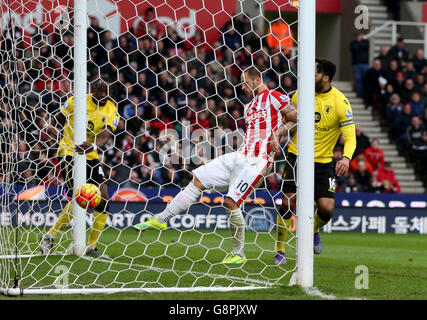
<point x="263" y="116"/>
<point x="241" y="171"/>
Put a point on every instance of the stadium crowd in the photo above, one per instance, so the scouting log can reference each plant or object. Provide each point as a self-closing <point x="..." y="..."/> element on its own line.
<point x="394" y="87"/>
<point x="160" y="81"/>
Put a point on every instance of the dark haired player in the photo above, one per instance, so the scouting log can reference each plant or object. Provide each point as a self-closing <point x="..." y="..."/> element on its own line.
<point x="333" y="116"/>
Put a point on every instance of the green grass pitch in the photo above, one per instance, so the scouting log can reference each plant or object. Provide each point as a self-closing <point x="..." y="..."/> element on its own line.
<point x="395" y="265"/>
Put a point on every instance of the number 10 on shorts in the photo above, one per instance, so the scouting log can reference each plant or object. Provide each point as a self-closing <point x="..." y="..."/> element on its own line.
<point x="242" y="186"/>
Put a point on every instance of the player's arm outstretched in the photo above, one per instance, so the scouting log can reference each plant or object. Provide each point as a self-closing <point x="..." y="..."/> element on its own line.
<point x="348" y="131"/>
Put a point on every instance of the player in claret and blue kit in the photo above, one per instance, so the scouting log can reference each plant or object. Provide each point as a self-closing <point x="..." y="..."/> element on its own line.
<point x="333" y="116"/>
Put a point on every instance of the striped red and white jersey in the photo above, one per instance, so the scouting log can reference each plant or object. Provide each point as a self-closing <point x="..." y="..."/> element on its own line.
<point x="263" y="116"/>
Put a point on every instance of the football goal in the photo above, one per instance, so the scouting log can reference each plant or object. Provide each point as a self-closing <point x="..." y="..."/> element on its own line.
<point x="133" y="96"/>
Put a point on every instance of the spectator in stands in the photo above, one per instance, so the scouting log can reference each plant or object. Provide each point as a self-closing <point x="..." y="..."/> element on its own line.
<point x="381" y="97"/>
<point x="279" y="38"/>
<point x="232" y="39"/>
<point x="94" y="32"/>
<point x="359" y="49"/>
<point x="417" y="139"/>
<point x="419" y="82"/>
<point x="393" y="108"/>
<point x="352" y="186"/>
<point x="135" y="62"/>
<point x="289" y="84"/>
<point x="374" y="155"/>
<point x="385" y="180"/>
<point x="278" y="64"/>
<point x="399" y="126"/>
<point x="416" y="104"/>
<point x="399" y="82"/>
<point x="383" y="57"/>
<point x="355" y="163"/>
<point x="371" y="84"/>
<point x="419" y="60"/>
<point x="362" y="141"/>
<point x="408" y="89"/>
<point x="236" y="120"/>
<point x="399" y="52"/>
<point x="409" y="70"/>
<point x="363" y="177"/>
<point x="391" y="71"/>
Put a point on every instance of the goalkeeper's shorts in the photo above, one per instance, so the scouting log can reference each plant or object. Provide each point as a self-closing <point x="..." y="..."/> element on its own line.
<point x="324" y="178"/>
<point x="94" y="172"/>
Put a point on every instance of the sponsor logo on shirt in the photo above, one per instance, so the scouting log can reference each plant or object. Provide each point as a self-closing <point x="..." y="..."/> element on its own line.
<point x="323" y="129"/>
<point x="257" y="115"/>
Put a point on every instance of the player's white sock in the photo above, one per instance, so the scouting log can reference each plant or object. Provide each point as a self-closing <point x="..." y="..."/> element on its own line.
<point x="182" y="201"/>
<point x="237" y="228"/>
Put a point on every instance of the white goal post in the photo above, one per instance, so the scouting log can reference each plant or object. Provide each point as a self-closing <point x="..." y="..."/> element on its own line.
<point x="175" y="78"/>
<point x="306" y="67"/>
<point x="80" y="119"/>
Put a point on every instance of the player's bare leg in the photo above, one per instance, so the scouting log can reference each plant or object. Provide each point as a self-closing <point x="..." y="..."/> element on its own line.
<point x="182" y="201"/>
<point x="286" y="211"/>
<point x="324" y="212"/>
<point x="237" y="229"/>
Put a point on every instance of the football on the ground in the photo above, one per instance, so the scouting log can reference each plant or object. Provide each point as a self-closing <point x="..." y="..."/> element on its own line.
<point x="88" y="196"/>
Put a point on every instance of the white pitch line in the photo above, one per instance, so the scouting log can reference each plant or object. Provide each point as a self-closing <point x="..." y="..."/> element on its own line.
<point x="313" y="291"/>
<point x="25" y="256"/>
<point x="246" y="280"/>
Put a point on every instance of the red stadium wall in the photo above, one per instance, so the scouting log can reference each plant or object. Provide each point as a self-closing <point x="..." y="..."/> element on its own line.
<point x="120" y="16"/>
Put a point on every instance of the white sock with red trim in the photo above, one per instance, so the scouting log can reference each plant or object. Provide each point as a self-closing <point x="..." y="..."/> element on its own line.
<point x="182" y="201"/>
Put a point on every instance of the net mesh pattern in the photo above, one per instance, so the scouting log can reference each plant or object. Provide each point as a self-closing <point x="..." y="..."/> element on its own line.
<point x="174" y="73"/>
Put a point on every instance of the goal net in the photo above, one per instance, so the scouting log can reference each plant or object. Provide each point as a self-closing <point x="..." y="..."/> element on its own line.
<point x="173" y="70"/>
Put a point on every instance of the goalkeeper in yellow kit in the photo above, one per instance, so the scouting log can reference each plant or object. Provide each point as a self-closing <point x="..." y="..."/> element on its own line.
<point x="333" y="116"/>
<point x="103" y="119"/>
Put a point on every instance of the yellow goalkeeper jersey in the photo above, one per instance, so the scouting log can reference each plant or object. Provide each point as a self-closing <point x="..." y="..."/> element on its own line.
<point x="332" y="116"/>
<point x="98" y="118"/>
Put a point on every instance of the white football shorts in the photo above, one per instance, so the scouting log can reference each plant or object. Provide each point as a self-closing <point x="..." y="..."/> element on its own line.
<point x="236" y="172"/>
